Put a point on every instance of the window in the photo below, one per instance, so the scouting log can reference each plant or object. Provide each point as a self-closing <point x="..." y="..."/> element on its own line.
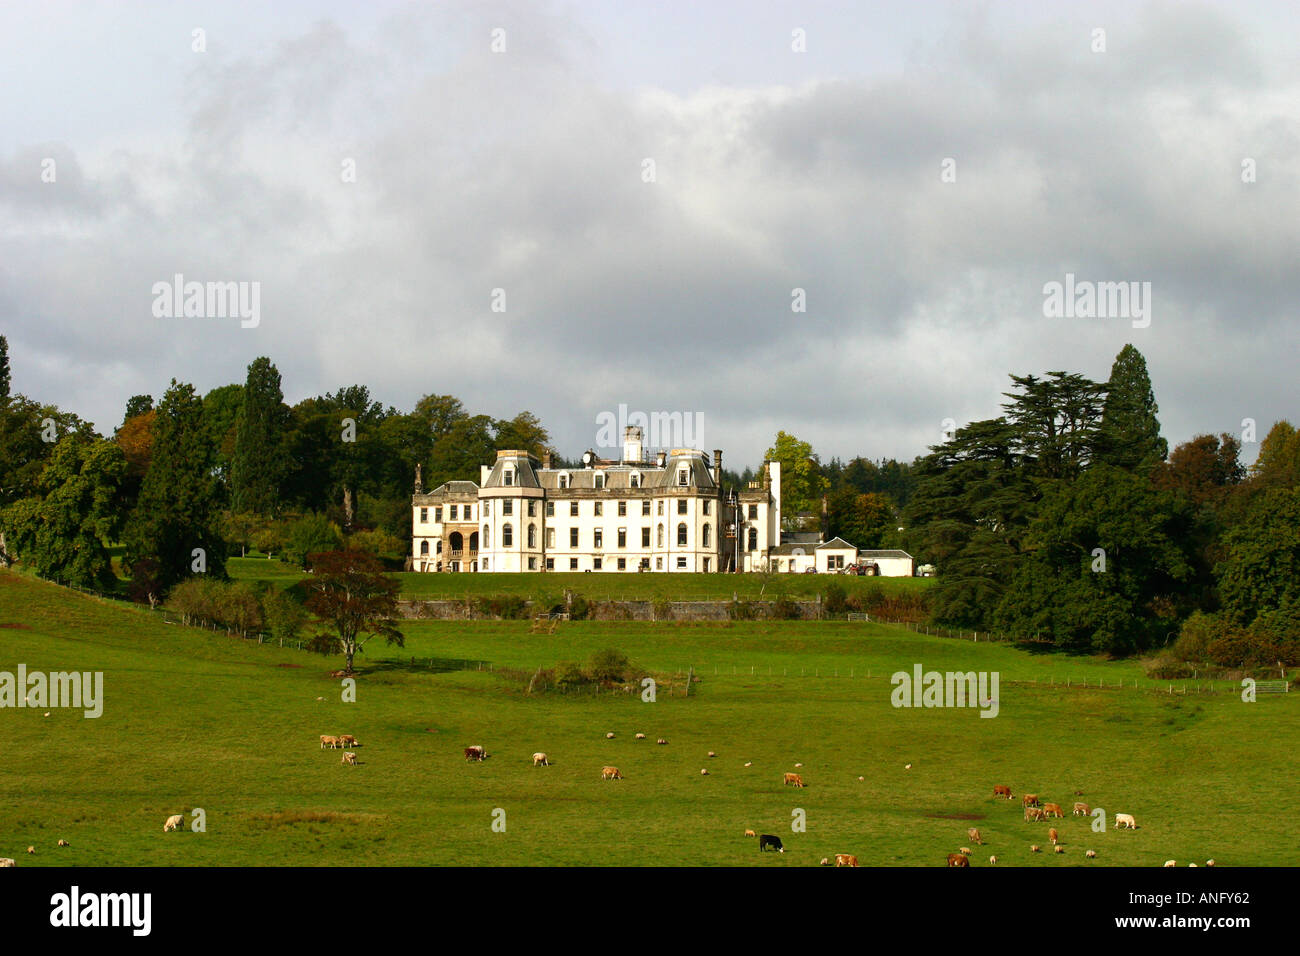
<point x="564" y="480"/>
<point x="424" y="548"/>
<point x="486" y="508"/>
<point x="645" y="537"/>
<point x="453" y="512"/>
<point x="661" y="536"/>
<point x="550" y="564"/>
<point x="661" y="507"/>
<point x="485" y="564"/>
<point x="645" y="507"/>
<point x="469" y="512"/>
<point x="706" y="565"/>
<point x="573" y="564"/>
<point x="753" y="539"/>
<point x="573" y="537"/>
<point x="439" y="546"/>
<point x="532" y="536"/>
<point x="707" y="505"/>
<point x="532" y="507"/>
<point x="532" y="564"/>
<point x="424" y="516"/>
<point x="681" y="564"/>
<point x="659" y="564"/>
<point x="622" y="564"/>
<point x="507" y="507"/>
<point x="509" y="478"/>
<point x="753" y="512"/>
<point x="622" y="509"/>
<point x="507" y="535"/>
<point x="600" y="508"/>
<point x="681" y="506"/>
<point x="600" y="479"/>
<point x="598" y="538"/>
<point x="487" y="537"/>
<point x="595" y="564"/>
<point x="550" y="537"/>
<point x="550" y="509"/>
<point x="704" y="536"/>
<point x="573" y="509"/>
<point x="681" y="535"/>
<point x="622" y="537"/>
<point x="681" y="477"/>
<point x="437" y="516"/>
<point x="635" y="480"/>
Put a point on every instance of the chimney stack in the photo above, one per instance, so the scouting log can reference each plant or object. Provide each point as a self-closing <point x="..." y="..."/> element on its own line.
<point x="546" y="458"/>
<point x="717" y="467"/>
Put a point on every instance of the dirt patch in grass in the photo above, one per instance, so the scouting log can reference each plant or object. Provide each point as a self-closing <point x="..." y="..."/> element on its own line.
<point x="293" y="817"/>
<point x="16" y="627"/>
<point x="956" y="816"/>
<point x="288" y="665"/>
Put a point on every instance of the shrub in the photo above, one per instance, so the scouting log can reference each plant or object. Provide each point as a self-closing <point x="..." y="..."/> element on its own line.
<point x="570" y="674"/>
<point x="663" y="610"/>
<point x="741" y="610"/>
<point x="283" y="615"/>
<point x="508" y="607"/>
<point x="835" y="599"/>
<point x="609" y="665"/>
<point x="784" y="608"/>
<point x="580" y="609"/>
<point x="312" y="534"/>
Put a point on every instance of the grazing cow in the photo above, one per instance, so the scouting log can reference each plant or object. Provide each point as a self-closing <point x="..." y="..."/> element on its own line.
<point x="640" y="736"/>
<point x="1082" y="810"/>
<point x="1209" y="863"/>
<point x="349" y="758"/>
<point x="907" y="766"/>
<point x="964" y="850"/>
<point x="1001" y="791"/>
<point x="1170" y="863"/>
<point x="1123" y="820"/>
<point x="1091" y="854"/>
<point x="661" y="741"/>
<point x="993" y="859"/>
<point x="749" y="763"/>
<point x="1030" y="800"/>
<point x="31" y="850"/>
<point x="7" y="861"/>
<point x="1053" y="810"/>
<point x="1051" y="835"/>
<point x="974" y="834"/>
<point x="347" y="740"/>
<point x="1191" y="864"/>
<point x="475" y="752"/>
<point x="1034" y="813"/>
<point x="712" y="754"/>
<point x="610" y="773"/>
<point x="749" y="833"/>
<point x="540" y="760"/>
<point x="610" y="735"/>
<point x="767" y="840"/>
<point x="956" y="859"/>
<point x="64" y="843"/>
<point x="825" y="862"/>
<point x="703" y="772"/>
<point x="1034" y="848"/>
<point x="1060" y="849"/>
<point x="173" y="823"/>
<point x="328" y="741"/>
<point x="794" y="779"/>
<point x="845" y="859"/>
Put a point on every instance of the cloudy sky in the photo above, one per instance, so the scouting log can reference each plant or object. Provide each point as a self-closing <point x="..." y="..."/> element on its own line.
<point x="649" y="183"/>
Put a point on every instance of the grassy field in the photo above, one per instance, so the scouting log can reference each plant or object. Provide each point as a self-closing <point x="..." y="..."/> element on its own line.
<point x="196" y="719"/>
<point x="599" y="587"/>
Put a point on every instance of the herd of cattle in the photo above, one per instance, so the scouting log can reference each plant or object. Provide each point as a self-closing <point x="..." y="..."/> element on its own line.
<point x="1037" y="810"/>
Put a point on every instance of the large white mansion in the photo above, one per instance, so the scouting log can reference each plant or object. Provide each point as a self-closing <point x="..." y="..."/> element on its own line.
<point x="634" y="514"/>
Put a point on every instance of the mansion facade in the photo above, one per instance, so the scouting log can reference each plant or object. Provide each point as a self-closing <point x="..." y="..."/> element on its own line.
<point x="666" y="514"/>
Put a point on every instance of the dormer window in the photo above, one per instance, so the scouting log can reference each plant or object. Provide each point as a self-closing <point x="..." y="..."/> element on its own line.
<point x="681" y="476"/>
<point x="635" y="479"/>
<point x="509" y="477"/>
<point x="600" y="479"/>
<point x="564" y="479"/>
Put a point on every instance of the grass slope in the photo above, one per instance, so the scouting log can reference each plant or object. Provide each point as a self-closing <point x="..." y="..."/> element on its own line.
<point x="196" y="719"/>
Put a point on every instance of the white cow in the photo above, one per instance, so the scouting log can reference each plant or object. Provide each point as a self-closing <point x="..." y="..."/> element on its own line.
<point x="539" y="760"/>
<point x="173" y="823"/>
<point x="1123" y="820"/>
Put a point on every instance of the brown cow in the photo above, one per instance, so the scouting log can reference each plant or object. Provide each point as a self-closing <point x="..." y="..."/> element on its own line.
<point x="1082" y="810"/>
<point x="794" y="779"/>
<point x="475" y="752"/>
<point x="1030" y="800"/>
<point x="349" y="758"/>
<point x="327" y="741"/>
<point x="1001" y="791"/>
<point x="347" y="740"/>
<point x="974" y="834"/>
<point x="1051" y="835"/>
<point x="610" y="773"/>
<point x="1033" y="814"/>
<point x="845" y="859"/>
<point x="956" y="859"/>
<point x="1053" y="810"/>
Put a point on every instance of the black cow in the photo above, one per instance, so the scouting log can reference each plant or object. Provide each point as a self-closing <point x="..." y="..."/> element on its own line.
<point x="767" y="840"/>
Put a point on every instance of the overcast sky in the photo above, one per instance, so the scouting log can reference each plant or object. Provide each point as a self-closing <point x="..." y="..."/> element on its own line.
<point x="920" y="170"/>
